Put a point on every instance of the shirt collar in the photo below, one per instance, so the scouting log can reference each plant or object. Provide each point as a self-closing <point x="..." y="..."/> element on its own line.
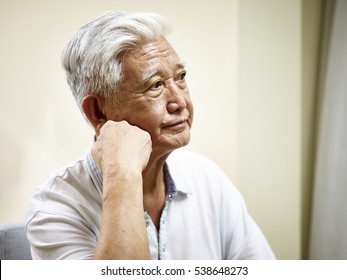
<point x="173" y="174"/>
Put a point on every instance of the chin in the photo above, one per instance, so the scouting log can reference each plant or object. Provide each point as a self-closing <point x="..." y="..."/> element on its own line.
<point x="181" y="143"/>
<point x="168" y="147"/>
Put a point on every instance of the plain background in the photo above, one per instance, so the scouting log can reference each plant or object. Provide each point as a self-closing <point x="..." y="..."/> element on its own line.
<point x="250" y="84"/>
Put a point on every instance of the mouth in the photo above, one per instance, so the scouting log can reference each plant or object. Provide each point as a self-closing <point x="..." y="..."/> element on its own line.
<point x="177" y="124"/>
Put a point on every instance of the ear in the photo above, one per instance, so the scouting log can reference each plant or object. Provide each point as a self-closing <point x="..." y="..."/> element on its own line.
<point x="92" y="106"/>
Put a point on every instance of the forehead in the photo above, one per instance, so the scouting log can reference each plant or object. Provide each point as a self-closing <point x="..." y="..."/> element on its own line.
<point x="154" y="54"/>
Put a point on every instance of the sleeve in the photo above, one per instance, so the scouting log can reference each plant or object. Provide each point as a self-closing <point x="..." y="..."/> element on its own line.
<point x="54" y="237"/>
<point x="63" y="219"/>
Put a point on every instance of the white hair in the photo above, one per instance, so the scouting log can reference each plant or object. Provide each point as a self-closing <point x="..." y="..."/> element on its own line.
<point x="92" y="57"/>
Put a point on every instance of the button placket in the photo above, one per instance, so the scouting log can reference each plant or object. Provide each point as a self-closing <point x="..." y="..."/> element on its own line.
<point x="162" y="234"/>
<point x="153" y="237"/>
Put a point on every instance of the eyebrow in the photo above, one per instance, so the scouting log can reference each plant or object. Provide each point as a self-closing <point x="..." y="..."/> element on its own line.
<point x="152" y="72"/>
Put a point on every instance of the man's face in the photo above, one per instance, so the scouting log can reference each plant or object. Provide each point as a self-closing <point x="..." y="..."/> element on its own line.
<point x="154" y="95"/>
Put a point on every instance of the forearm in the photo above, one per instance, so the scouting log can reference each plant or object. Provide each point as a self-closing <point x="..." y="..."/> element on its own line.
<point x="123" y="233"/>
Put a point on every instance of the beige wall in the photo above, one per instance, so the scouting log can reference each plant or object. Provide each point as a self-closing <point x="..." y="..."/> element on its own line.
<point x="244" y="63"/>
<point x="269" y="118"/>
<point x="277" y="69"/>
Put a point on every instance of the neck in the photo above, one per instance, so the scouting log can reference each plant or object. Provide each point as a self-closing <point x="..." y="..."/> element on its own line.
<point x="154" y="191"/>
<point x="153" y="177"/>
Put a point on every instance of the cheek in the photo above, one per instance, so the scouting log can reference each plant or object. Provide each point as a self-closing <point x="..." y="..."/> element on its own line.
<point x="148" y="115"/>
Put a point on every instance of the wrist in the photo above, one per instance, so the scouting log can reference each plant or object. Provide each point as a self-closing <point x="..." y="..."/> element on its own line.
<point x="119" y="171"/>
<point x="122" y="184"/>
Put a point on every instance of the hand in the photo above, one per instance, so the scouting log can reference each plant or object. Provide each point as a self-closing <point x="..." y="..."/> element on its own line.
<point x="121" y="146"/>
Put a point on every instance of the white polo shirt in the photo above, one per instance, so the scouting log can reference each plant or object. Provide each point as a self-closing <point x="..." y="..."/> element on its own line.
<point x="204" y="217"/>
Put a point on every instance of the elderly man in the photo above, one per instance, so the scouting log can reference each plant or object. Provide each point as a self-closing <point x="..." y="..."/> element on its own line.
<point x="133" y="196"/>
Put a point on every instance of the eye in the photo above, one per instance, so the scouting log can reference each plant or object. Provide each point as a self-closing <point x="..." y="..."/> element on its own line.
<point x="157" y="85"/>
<point x="182" y="76"/>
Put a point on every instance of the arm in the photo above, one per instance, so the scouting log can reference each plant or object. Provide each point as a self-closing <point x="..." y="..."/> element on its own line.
<point x="122" y="151"/>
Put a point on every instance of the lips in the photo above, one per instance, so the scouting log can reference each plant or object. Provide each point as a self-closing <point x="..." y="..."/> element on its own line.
<point x="176" y="123"/>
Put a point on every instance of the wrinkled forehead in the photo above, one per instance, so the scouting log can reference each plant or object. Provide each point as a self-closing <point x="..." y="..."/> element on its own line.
<point x="151" y="56"/>
<point x="155" y="48"/>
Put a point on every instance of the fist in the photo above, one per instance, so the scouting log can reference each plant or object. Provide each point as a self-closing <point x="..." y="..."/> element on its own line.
<point x="120" y="146"/>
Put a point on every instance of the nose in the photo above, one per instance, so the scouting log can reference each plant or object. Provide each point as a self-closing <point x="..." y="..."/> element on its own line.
<point x="176" y="98"/>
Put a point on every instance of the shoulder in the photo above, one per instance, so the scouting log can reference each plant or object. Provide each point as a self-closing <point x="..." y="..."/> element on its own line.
<point x="65" y="209"/>
<point x="184" y="159"/>
<point x="198" y="173"/>
<point x="68" y="190"/>
<point x="68" y="179"/>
